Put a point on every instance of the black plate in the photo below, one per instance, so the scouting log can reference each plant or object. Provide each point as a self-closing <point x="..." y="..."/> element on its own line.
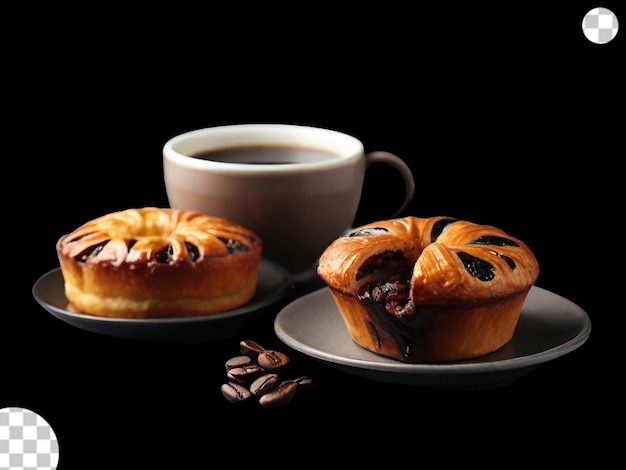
<point x="273" y="285"/>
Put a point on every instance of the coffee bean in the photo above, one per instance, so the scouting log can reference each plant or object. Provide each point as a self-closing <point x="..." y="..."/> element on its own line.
<point x="250" y="348"/>
<point x="264" y="384"/>
<point x="238" y="361"/>
<point x="244" y="374"/>
<point x="305" y="383"/>
<point x="280" y="396"/>
<point x="234" y="392"/>
<point x="272" y="360"/>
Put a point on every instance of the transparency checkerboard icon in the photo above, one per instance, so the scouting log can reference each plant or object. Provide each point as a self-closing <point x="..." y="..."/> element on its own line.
<point x="27" y="441"/>
<point x="600" y="25"/>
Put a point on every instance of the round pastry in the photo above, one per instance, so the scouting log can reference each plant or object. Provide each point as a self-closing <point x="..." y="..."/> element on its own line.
<point x="153" y="262"/>
<point x="429" y="289"/>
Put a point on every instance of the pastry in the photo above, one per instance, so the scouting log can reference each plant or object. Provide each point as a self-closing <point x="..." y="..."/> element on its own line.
<point x="156" y="262"/>
<point x="433" y="289"/>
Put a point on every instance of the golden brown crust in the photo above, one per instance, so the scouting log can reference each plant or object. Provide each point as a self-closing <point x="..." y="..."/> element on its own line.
<point x="466" y="284"/>
<point x="155" y="262"/>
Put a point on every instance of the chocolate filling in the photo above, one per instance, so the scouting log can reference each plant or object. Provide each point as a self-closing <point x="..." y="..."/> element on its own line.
<point x="163" y="256"/>
<point x="384" y="264"/>
<point x="91" y="251"/>
<point x="387" y="295"/>
<point x="193" y="251"/>
<point x="369" y="231"/>
<point x="233" y="245"/>
<point x="389" y="287"/>
<point x="395" y="313"/>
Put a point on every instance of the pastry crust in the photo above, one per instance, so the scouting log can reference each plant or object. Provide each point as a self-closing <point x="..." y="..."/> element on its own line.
<point x="429" y="289"/>
<point x="156" y="262"/>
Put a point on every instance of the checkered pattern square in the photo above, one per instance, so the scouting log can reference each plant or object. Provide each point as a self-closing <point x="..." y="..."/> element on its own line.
<point x="600" y="25"/>
<point x="27" y="442"/>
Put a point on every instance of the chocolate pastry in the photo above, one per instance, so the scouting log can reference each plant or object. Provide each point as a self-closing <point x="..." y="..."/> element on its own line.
<point x="153" y="262"/>
<point x="429" y="289"/>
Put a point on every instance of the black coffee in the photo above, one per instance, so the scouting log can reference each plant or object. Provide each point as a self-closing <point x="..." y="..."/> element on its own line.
<point x="266" y="155"/>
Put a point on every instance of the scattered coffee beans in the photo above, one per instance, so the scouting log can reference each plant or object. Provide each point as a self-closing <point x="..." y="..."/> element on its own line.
<point x="256" y="373"/>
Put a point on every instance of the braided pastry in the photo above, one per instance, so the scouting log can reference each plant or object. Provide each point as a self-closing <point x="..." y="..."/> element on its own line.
<point x="153" y="262"/>
<point x="429" y="289"/>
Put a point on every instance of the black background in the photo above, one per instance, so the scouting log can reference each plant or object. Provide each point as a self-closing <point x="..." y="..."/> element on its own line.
<point x="506" y="114"/>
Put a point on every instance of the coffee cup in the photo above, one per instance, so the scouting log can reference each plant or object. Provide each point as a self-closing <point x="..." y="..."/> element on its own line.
<point x="298" y="187"/>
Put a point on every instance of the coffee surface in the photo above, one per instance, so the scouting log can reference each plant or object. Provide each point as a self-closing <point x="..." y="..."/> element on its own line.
<point x="266" y="155"/>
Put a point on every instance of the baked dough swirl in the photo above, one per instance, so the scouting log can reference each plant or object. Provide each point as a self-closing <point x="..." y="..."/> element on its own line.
<point x="429" y="289"/>
<point x="158" y="262"/>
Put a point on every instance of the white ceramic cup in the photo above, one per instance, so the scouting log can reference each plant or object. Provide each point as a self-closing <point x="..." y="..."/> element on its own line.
<point x="298" y="203"/>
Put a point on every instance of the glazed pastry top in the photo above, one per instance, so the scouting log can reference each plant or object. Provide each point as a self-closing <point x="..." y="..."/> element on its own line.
<point x="442" y="258"/>
<point x="155" y="235"/>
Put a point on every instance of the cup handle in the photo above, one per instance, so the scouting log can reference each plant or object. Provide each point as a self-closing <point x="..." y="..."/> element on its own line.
<point x="403" y="169"/>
